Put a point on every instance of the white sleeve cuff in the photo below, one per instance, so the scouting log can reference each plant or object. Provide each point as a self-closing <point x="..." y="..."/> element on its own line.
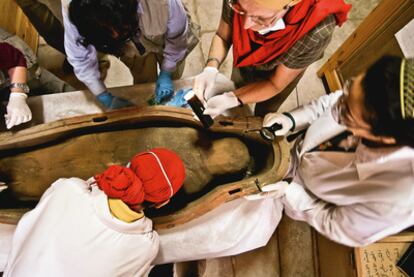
<point x="169" y="66"/>
<point x="96" y="87"/>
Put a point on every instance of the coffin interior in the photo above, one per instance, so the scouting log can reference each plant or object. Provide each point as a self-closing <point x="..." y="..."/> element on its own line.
<point x="29" y="171"/>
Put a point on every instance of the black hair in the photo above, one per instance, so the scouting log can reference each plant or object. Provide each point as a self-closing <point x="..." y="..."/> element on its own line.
<point x="96" y="20"/>
<point x="381" y="85"/>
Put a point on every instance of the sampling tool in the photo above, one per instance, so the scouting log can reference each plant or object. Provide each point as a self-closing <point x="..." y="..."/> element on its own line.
<point x="198" y="108"/>
<point x="268" y="133"/>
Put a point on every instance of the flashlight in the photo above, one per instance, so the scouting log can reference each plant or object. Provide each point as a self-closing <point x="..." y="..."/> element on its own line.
<point x="198" y="109"/>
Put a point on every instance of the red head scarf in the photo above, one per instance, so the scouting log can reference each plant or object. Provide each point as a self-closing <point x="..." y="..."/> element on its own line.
<point x="301" y="18"/>
<point x="153" y="176"/>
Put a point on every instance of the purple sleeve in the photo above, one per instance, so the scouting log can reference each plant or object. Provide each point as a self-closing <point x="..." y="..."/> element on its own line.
<point x="176" y="37"/>
<point x="10" y="57"/>
<point x="83" y="59"/>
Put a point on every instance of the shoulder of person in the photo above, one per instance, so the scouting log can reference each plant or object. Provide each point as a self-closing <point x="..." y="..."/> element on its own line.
<point x="324" y="29"/>
<point x="70" y="184"/>
<point x="17" y="43"/>
<point x="156" y="3"/>
<point x="227" y="13"/>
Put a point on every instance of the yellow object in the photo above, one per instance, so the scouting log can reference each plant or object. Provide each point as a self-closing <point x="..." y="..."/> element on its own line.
<point x="121" y="211"/>
<point x="407" y="88"/>
<point x="276" y="4"/>
<point x="402" y="88"/>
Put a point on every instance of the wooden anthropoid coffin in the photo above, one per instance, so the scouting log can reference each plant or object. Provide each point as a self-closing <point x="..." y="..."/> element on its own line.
<point x="225" y="162"/>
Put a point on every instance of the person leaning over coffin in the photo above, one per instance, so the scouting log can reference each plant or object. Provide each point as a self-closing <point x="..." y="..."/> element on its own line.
<point x="353" y="173"/>
<point x="353" y="170"/>
<point x="97" y="227"/>
<point x="141" y="33"/>
<point x="273" y="41"/>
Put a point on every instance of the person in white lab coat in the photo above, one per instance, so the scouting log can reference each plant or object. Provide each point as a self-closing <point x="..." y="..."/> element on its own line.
<point x="354" y="187"/>
<point x="97" y="227"/>
<point x="353" y="171"/>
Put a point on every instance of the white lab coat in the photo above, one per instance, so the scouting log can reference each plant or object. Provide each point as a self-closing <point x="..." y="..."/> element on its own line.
<point x="6" y="236"/>
<point x="352" y="198"/>
<point x="235" y="227"/>
<point x="71" y="232"/>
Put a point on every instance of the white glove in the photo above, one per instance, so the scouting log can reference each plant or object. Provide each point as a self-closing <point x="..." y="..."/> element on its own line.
<point x="2" y="186"/>
<point x="17" y="110"/>
<point x="276" y="190"/>
<point x="279" y="118"/>
<point x="204" y="83"/>
<point x="216" y="105"/>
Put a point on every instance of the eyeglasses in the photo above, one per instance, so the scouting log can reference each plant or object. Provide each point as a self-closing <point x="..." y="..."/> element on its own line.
<point x="341" y="110"/>
<point x="237" y="8"/>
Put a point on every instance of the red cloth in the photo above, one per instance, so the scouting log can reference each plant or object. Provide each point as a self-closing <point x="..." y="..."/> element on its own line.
<point x="302" y="18"/>
<point x="121" y="182"/>
<point x="144" y="180"/>
<point x="147" y="168"/>
<point x="10" y="57"/>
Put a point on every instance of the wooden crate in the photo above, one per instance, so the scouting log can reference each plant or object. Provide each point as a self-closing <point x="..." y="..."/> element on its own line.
<point x="14" y="21"/>
<point x="372" y="39"/>
<point x="380" y="259"/>
<point x="377" y="259"/>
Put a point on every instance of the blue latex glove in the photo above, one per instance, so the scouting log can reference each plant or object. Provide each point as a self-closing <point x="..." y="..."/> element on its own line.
<point x="113" y="102"/>
<point x="164" y="88"/>
<point x="178" y="99"/>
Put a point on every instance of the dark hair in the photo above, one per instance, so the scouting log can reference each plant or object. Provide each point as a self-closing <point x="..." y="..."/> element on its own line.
<point x="381" y="85"/>
<point x="96" y="20"/>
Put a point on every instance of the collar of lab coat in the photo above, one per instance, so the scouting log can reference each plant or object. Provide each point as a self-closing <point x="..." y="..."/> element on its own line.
<point x="100" y="202"/>
<point x="321" y="130"/>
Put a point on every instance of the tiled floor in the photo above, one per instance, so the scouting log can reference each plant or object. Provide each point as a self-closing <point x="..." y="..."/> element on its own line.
<point x="207" y="14"/>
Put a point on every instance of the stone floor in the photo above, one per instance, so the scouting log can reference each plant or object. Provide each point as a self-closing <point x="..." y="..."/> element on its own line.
<point x="273" y="259"/>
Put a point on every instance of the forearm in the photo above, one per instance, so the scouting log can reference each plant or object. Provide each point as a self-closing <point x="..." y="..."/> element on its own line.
<point x="256" y="92"/>
<point x="220" y="45"/>
<point x="264" y="90"/>
<point x="83" y="59"/>
<point x="18" y="75"/>
<point x="307" y="114"/>
<point x="176" y="42"/>
<point x="353" y="225"/>
<point x="300" y="205"/>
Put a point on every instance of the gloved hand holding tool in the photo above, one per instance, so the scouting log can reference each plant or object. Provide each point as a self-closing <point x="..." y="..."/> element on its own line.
<point x="112" y="102"/>
<point x="277" y="124"/>
<point x="218" y="104"/>
<point x="275" y="190"/>
<point x="164" y="88"/>
<point x="198" y="108"/>
<point x="204" y="83"/>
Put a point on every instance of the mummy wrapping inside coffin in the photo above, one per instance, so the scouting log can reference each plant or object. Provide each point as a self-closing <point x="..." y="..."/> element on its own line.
<point x="225" y="162"/>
